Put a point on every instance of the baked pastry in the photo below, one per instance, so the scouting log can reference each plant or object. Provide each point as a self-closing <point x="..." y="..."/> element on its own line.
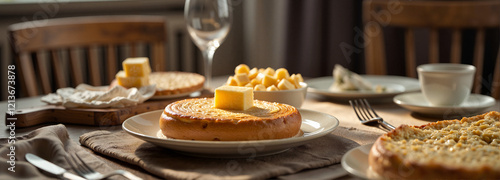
<point x="451" y="149"/>
<point x="197" y="119"/>
<point x="169" y="83"/>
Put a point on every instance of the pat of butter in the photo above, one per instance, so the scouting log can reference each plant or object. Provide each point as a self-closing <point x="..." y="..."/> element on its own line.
<point x="129" y="82"/>
<point x="136" y="67"/>
<point x="233" y="97"/>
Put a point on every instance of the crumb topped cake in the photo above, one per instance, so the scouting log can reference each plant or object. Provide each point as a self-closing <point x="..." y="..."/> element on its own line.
<point x="451" y="149"/>
<point x="198" y="119"/>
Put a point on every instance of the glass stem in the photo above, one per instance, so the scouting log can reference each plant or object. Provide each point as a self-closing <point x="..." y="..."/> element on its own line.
<point x="208" y="56"/>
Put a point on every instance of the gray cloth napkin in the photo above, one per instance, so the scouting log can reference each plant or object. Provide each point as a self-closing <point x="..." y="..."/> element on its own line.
<point x="51" y="143"/>
<point x="168" y="164"/>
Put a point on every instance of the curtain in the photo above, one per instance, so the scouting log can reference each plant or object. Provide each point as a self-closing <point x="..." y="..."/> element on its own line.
<point x="322" y="33"/>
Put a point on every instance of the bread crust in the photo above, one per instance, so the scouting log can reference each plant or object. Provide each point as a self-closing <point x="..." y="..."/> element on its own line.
<point x="197" y="123"/>
<point x="392" y="165"/>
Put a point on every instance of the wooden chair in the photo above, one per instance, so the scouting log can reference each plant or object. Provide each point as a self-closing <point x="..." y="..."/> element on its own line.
<point x="432" y="15"/>
<point x="86" y="49"/>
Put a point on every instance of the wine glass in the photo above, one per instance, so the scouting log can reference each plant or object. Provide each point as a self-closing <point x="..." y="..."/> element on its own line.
<point x="208" y="23"/>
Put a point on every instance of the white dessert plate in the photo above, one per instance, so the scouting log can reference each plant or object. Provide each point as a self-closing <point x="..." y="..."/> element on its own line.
<point x="476" y="103"/>
<point x="172" y="96"/>
<point x="394" y="84"/>
<point x="355" y="161"/>
<point x="146" y="127"/>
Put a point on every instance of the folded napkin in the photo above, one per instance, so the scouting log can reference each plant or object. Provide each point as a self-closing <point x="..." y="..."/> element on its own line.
<point x="88" y="96"/>
<point x="51" y="143"/>
<point x="168" y="164"/>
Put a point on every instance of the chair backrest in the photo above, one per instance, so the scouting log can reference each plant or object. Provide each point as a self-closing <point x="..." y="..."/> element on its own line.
<point x="86" y="49"/>
<point x="431" y="15"/>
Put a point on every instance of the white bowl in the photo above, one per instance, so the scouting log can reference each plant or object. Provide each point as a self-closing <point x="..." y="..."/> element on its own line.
<point x="294" y="97"/>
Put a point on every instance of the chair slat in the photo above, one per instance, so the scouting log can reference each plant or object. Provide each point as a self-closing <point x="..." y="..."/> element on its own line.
<point x="495" y="87"/>
<point x="133" y="49"/>
<point x="376" y="48"/>
<point x="411" y="62"/>
<point x="111" y="62"/>
<point x="479" y="60"/>
<point x="434" y="46"/>
<point x="75" y="63"/>
<point x="94" y="71"/>
<point x="456" y="46"/>
<point x="43" y="72"/>
<point x="158" y="53"/>
<point x="28" y="73"/>
<point x="57" y="64"/>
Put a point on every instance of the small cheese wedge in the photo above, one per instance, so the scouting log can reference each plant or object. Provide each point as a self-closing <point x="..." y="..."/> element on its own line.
<point x="253" y="73"/>
<point x="254" y="82"/>
<point x="272" y="88"/>
<point x="231" y="81"/>
<point x="284" y="84"/>
<point x="242" y="68"/>
<point x="136" y="67"/>
<point x="281" y="73"/>
<point x="242" y="79"/>
<point x="233" y="97"/>
<point x="269" y="71"/>
<point x="269" y="80"/>
<point x="129" y="82"/>
<point x="299" y="77"/>
<point x="259" y="87"/>
<point x="294" y="79"/>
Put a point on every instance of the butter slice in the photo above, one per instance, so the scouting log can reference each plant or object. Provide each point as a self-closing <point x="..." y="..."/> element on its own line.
<point x="233" y="97"/>
<point x="136" y="67"/>
<point x="129" y="82"/>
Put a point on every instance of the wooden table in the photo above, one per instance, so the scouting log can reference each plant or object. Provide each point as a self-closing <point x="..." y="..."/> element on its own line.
<point x="391" y="112"/>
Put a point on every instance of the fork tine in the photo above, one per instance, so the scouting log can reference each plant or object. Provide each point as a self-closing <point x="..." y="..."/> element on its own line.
<point x="369" y="106"/>
<point x="355" y="110"/>
<point x="366" y="110"/>
<point x="363" y="109"/>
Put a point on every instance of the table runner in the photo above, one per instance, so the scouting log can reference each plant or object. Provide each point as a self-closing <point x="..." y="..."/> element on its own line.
<point x="169" y="164"/>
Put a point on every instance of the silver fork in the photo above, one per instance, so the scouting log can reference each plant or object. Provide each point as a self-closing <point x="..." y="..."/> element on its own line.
<point x="80" y="167"/>
<point x="367" y="115"/>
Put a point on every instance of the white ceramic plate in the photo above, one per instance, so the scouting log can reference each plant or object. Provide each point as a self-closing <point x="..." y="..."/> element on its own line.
<point x="355" y="161"/>
<point x="190" y="93"/>
<point x="476" y="103"/>
<point x="145" y="126"/>
<point x="394" y="84"/>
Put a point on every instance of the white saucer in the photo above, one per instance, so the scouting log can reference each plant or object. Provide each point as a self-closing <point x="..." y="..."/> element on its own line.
<point x="476" y="103"/>
<point x="145" y="126"/>
<point x="355" y="161"/>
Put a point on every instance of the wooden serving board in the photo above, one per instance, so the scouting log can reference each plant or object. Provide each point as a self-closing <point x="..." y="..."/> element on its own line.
<point x="82" y="116"/>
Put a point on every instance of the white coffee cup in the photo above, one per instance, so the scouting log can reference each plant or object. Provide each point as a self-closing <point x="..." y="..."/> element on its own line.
<point x="446" y="84"/>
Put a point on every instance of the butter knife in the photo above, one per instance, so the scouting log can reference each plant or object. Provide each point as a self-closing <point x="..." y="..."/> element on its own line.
<point x="51" y="167"/>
